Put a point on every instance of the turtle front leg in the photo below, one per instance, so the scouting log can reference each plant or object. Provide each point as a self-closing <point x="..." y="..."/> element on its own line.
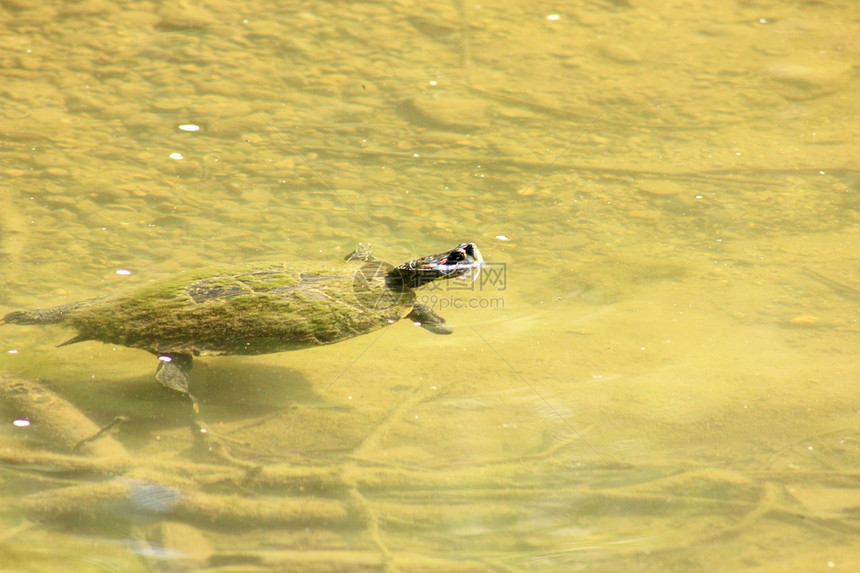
<point x="174" y="372"/>
<point x="426" y="318"/>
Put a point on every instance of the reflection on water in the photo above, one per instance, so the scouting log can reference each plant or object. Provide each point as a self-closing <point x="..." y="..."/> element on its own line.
<point x="664" y="381"/>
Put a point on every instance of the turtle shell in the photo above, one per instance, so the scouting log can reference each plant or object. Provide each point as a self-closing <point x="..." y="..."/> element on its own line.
<point x="253" y="310"/>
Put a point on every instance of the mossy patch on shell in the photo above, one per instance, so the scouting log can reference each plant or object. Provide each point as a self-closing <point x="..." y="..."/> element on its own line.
<point x="251" y="310"/>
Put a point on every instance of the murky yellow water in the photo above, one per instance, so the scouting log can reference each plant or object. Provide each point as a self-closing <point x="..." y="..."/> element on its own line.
<point x="658" y="372"/>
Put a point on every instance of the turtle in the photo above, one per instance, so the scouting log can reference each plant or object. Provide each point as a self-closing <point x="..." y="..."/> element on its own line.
<point x="259" y="308"/>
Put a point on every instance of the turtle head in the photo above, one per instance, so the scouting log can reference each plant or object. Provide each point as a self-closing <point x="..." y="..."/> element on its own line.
<point x="464" y="260"/>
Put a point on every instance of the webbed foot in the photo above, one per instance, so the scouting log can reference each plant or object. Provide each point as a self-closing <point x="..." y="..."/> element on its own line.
<point x="426" y="318"/>
<point x="174" y="372"/>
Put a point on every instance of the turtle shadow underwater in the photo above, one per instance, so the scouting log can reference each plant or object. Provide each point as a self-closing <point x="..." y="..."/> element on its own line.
<point x="228" y="389"/>
<point x="235" y="391"/>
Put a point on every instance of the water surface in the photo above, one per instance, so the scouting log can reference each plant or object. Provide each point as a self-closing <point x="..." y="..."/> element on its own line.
<point x="658" y="370"/>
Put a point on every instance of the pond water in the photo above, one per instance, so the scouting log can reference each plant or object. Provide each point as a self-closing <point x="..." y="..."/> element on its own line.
<point x="656" y="370"/>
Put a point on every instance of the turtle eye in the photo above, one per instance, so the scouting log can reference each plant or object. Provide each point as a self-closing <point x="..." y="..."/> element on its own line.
<point x="457" y="256"/>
